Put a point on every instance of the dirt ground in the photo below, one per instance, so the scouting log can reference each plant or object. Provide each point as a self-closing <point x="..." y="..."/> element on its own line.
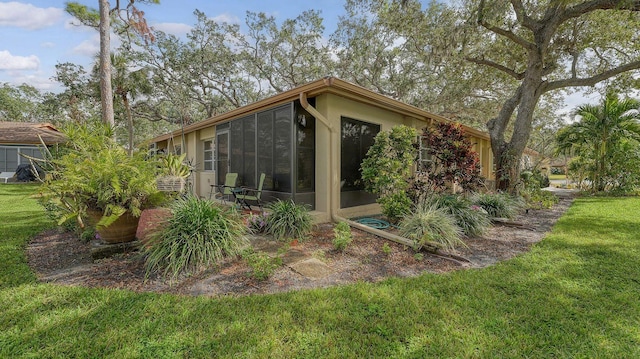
<point x="61" y="258"/>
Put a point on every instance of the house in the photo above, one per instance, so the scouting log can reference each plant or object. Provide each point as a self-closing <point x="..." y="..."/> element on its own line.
<point x="309" y="141"/>
<point x="22" y="138"/>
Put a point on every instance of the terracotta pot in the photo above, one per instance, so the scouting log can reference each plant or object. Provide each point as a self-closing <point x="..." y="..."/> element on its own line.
<point x="122" y="230"/>
<point x="151" y="220"/>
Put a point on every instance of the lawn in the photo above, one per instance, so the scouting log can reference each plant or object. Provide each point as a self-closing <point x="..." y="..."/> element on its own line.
<point x="574" y="295"/>
<point x="557" y="177"/>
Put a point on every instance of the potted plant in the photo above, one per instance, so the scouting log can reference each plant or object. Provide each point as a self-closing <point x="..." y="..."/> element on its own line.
<point x="95" y="178"/>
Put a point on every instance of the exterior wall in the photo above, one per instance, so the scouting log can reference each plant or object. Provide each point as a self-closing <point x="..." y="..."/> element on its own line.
<point x="204" y="178"/>
<point x="327" y="154"/>
<point x="334" y="108"/>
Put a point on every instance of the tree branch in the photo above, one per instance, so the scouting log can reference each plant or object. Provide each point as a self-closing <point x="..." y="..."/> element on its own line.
<point x="500" y="31"/>
<point x="593" y="5"/>
<point x="590" y="81"/>
<point x="522" y="16"/>
<point x="495" y="65"/>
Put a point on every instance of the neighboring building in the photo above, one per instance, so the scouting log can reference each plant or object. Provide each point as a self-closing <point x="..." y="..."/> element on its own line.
<point x="22" y="138"/>
<point x="309" y="141"/>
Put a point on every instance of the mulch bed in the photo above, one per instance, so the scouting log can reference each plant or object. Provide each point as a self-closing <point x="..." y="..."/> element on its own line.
<point x="62" y="258"/>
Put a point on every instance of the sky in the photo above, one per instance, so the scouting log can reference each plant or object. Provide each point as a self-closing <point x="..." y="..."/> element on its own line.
<point x="36" y="35"/>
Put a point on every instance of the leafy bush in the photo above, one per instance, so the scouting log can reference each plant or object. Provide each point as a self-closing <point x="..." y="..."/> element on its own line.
<point x="262" y="265"/>
<point x="498" y="205"/>
<point x="447" y="158"/>
<point x="95" y="173"/>
<point x="430" y="223"/>
<point x="472" y="219"/>
<point x="534" y="179"/>
<point x="395" y="206"/>
<point x="342" y="236"/>
<point x="539" y="199"/>
<point x="288" y="220"/>
<point x="198" y="234"/>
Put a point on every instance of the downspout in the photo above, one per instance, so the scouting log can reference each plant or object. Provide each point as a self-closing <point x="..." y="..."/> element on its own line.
<point x="334" y="184"/>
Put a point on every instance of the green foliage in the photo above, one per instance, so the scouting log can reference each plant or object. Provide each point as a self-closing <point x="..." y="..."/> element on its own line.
<point x="288" y="220"/>
<point x="498" y="205"/>
<point x="386" y="168"/>
<point x="93" y="173"/>
<point x="539" y="199"/>
<point x="431" y="224"/>
<point x="605" y="144"/>
<point x="388" y="163"/>
<point x="395" y="206"/>
<point x="534" y="179"/>
<point x="198" y="234"/>
<point x="342" y="236"/>
<point x="174" y="165"/>
<point x="386" y="248"/>
<point x="262" y="264"/>
<point x="472" y="219"/>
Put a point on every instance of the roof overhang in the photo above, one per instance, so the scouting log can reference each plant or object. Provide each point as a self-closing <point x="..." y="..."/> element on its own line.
<point x="329" y="85"/>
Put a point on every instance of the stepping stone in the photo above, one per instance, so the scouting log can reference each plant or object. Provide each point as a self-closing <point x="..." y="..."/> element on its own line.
<point x="293" y="256"/>
<point x="311" y="268"/>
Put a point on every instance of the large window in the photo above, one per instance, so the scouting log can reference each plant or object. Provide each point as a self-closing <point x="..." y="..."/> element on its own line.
<point x="306" y="150"/>
<point x="357" y="137"/>
<point x="280" y="143"/>
<point x="208" y="155"/>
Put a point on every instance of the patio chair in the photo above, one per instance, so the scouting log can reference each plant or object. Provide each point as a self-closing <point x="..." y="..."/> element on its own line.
<point x="224" y="190"/>
<point x="250" y="194"/>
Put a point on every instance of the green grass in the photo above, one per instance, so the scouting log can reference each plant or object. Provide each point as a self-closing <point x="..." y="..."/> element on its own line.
<point x="557" y="177"/>
<point x="575" y="295"/>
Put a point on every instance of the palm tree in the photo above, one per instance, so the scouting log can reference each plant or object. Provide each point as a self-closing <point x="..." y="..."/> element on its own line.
<point x="601" y="132"/>
<point x="128" y="83"/>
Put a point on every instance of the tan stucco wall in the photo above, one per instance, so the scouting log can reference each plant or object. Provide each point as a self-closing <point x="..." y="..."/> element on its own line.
<point x="205" y="178"/>
<point x="333" y="107"/>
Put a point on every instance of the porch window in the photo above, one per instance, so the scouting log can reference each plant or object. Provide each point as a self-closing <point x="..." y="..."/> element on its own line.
<point x="425" y="159"/>
<point x="208" y="155"/>
<point x="279" y="142"/>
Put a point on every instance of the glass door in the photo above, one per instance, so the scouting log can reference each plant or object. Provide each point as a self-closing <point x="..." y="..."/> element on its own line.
<point x="222" y="160"/>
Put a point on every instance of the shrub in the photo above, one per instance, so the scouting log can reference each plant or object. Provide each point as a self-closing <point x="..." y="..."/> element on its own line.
<point x="430" y="223"/>
<point x="395" y="206"/>
<point x="93" y="173"/>
<point x="262" y="265"/>
<point x="198" y="234"/>
<point x="534" y="179"/>
<point x="498" y="205"/>
<point x="539" y="199"/>
<point x="472" y="219"/>
<point x="342" y="236"/>
<point x="447" y="157"/>
<point x="288" y="220"/>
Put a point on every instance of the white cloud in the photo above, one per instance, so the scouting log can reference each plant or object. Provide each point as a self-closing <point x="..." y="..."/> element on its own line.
<point x="173" y="28"/>
<point x="11" y="62"/>
<point x="228" y="18"/>
<point x="88" y="47"/>
<point x="37" y="80"/>
<point x="28" y="16"/>
<point x="48" y="45"/>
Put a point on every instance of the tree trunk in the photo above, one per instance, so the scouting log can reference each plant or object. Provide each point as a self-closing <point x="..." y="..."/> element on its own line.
<point x="127" y="107"/>
<point x="106" y="92"/>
